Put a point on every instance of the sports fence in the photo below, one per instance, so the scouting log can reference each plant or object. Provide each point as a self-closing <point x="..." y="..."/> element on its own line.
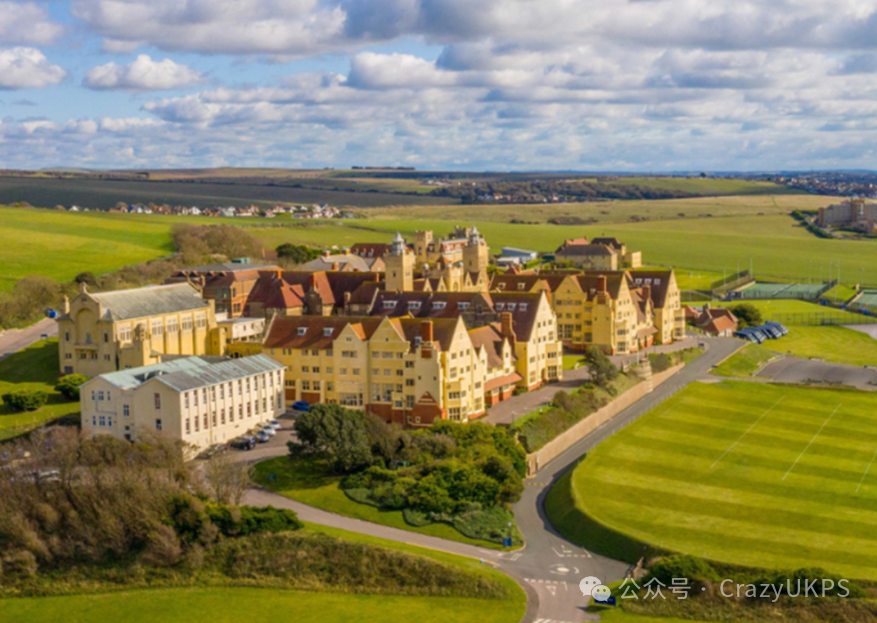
<point x="828" y="318"/>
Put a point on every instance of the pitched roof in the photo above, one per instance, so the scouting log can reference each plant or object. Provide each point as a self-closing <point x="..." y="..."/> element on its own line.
<point x="524" y="306"/>
<point x="588" y="282"/>
<point x="490" y="338"/>
<point x="149" y="301"/>
<point x="658" y="282"/>
<point x="609" y="242"/>
<point x="343" y="262"/>
<point x="511" y="282"/>
<point x="585" y="249"/>
<point x="185" y="373"/>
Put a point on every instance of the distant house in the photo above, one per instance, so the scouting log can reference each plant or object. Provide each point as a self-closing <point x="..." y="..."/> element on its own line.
<point x="715" y="321"/>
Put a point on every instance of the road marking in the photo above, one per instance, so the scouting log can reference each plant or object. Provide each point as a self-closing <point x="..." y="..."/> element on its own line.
<point x="867" y="469"/>
<point x="552" y="590"/>
<point x="748" y="430"/>
<point x="811" y="441"/>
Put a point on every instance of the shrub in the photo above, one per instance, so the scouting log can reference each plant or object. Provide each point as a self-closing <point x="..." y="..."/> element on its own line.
<point x="68" y="385"/>
<point x="20" y="563"/>
<point x="660" y="362"/>
<point x="246" y="520"/>
<point x="25" y="399"/>
<point x="682" y="566"/>
<point x="748" y="315"/>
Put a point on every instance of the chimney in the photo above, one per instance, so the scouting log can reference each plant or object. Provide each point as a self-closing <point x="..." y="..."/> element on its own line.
<point x="508" y="330"/>
<point x="279" y="274"/>
<point x="334" y="265"/>
<point x="65" y="305"/>
<point x="426" y="334"/>
<point x="312" y="281"/>
<point x="82" y="288"/>
<point x="601" y="284"/>
<point x="326" y="253"/>
<point x="647" y="292"/>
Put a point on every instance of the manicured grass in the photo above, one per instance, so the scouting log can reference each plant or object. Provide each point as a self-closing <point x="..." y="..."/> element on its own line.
<point x="840" y="293"/>
<point x="835" y="344"/>
<point x="745" y="361"/>
<point x="232" y="605"/>
<point x="795" y="312"/>
<point x="571" y="361"/>
<point x="300" y="480"/>
<point x="697" y="279"/>
<point x="35" y="367"/>
<point x="753" y="474"/>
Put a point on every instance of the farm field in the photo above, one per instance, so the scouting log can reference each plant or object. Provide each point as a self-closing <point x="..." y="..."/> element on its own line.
<point x="299" y="481"/>
<point x="35" y="367"/>
<point x="231" y="605"/>
<point x="618" y="212"/>
<point x="61" y="245"/>
<point x="710" y="186"/>
<point x="93" y="193"/>
<point x="746" y="473"/>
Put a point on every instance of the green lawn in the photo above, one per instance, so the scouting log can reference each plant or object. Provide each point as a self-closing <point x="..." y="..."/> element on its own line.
<point x="746" y="473"/>
<point x="301" y="481"/>
<point x="745" y="361"/>
<point x="232" y="605"/>
<point x="795" y="312"/>
<point x="571" y="361"/>
<point x="841" y="294"/>
<point x="835" y="344"/>
<point x="62" y="244"/>
<point x="35" y="367"/>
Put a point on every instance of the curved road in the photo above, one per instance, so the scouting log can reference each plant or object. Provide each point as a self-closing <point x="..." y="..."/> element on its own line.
<point x="549" y="567"/>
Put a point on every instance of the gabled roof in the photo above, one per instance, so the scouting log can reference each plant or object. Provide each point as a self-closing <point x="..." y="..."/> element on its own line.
<point x="608" y="242"/>
<point x="490" y="338"/>
<point x="588" y="282"/>
<point x="186" y="373"/>
<point x="524" y="306"/>
<point x="585" y="250"/>
<point x="658" y="282"/>
<point x="510" y="282"/>
<point x="149" y="301"/>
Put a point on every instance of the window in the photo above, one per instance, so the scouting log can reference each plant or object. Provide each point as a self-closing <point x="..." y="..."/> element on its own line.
<point x="305" y="369"/>
<point x="214" y="418"/>
<point x="126" y="411"/>
<point x="409" y="382"/>
<point x="350" y="400"/>
<point x="301" y="331"/>
<point x="188" y="426"/>
<point x="413" y="305"/>
<point x="522" y="306"/>
<point x="330" y="386"/>
<point x="67" y="336"/>
<point x="100" y="396"/>
<point x="157" y="423"/>
<point x="327" y="331"/>
<point x="306" y="386"/>
<point x="356" y="371"/>
<point x="102" y="421"/>
<point x="409" y="402"/>
<point x="409" y="364"/>
<point x="186" y="400"/>
<point x="157" y="399"/>
<point x="348" y="354"/>
<point x="439" y="305"/>
<point x="389" y="304"/>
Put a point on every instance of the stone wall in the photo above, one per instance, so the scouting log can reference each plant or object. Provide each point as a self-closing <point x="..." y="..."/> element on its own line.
<point x="558" y="445"/>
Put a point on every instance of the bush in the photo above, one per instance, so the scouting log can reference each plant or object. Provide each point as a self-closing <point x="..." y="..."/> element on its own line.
<point x="246" y="520"/>
<point x="25" y="399"/>
<point x="660" y="362"/>
<point x="68" y="385"/>
<point x="19" y="563"/>
<point x="748" y="315"/>
<point x="682" y="566"/>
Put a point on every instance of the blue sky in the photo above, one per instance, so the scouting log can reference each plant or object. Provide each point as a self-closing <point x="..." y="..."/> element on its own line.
<point x="660" y="85"/>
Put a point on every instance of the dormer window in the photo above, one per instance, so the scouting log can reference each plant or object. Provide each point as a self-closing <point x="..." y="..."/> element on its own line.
<point x="389" y="304"/>
<point x="301" y="331"/>
<point x="500" y="306"/>
<point x="657" y="282"/>
<point x="413" y="304"/>
<point x="500" y="286"/>
<point x="463" y="305"/>
<point x="327" y="331"/>
<point x="522" y="307"/>
<point x="638" y="280"/>
<point x="521" y="286"/>
<point x="417" y="341"/>
<point x="439" y="305"/>
<point x="512" y="306"/>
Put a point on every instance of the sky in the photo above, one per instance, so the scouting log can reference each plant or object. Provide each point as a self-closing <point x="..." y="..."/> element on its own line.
<point x="499" y="85"/>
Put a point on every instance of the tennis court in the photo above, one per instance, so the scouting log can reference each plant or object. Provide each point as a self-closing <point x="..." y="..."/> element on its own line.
<point x="806" y="291"/>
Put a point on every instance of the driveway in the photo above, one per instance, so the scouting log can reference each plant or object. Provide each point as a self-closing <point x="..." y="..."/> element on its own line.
<point x="549" y="567"/>
<point x="14" y="340"/>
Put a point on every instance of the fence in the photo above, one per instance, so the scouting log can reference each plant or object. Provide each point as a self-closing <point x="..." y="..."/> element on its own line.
<point x="809" y="319"/>
<point x="722" y="286"/>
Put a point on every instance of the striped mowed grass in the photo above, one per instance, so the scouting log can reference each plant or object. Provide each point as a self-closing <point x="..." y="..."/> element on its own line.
<point x="753" y="474"/>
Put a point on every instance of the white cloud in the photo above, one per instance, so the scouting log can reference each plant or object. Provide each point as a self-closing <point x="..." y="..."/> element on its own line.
<point x="142" y="74"/>
<point x="27" y="23"/>
<point x="27" y="68"/>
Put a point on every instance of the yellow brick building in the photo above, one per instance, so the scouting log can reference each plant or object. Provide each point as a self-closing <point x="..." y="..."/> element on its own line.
<point x="109" y="331"/>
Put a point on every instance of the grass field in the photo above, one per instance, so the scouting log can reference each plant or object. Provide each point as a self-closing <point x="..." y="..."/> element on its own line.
<point x="745" y="361"/>
<point x="300" y="481"/>
<point x="835" y="344"/>
<point x="709" y="186"/>
<point x="752" y="474"/>
<point x="36" y="367"/>
<point x="61" y="245"/>
<point x="790" y="311"/>
<point x="232" y="605"/>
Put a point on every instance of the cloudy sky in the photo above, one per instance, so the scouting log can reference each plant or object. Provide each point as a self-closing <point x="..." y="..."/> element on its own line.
<point x="644" y="85"/>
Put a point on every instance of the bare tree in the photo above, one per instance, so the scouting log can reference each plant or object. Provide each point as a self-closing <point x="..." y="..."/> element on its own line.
<point x="226" y="480"/>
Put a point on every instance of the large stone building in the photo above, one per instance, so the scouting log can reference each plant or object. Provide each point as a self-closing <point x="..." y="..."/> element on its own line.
<point x="228" y="285"/>
<point x="109" y="331"/>
<point x="199" y="400"/>
<point x="405" y="370"/>
<point x="620" y="312"/>
<point x="855" y="213"/>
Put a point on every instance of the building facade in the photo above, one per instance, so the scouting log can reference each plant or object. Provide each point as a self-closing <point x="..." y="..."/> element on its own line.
<point x="228" y="285"/>
<point x="198" y="400"/>
<point x="109" y="331"/>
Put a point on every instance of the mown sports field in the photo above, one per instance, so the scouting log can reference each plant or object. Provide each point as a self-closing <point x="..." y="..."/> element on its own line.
<point x="746" y="473"/>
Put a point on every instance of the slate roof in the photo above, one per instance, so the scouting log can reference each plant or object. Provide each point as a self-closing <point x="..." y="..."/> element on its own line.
<point x="149" y="301"/>
<point x="657" y="280"/>
<point x="186" y="373"/>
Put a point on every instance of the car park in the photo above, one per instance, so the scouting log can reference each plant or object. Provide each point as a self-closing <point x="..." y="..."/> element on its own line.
<point x="275" y="424"/>
<point x="301" y="405"/>
<point x="268" y="430"/>
<point x="263" y="437"/>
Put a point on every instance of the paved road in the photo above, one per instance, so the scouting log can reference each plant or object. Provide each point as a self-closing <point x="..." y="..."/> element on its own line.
<point x="14" y="340"/>
<point x="868" y="329"/>
<point x="549" y="567"/>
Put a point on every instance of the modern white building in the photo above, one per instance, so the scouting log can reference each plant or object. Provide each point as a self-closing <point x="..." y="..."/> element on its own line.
<point x="200" y="400"/>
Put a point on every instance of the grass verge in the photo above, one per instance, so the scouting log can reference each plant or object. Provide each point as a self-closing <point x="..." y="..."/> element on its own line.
<point x="745" y="361"/>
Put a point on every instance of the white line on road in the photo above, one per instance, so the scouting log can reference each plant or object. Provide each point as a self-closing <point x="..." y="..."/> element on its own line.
<point x="811" y="441"/>
<point x="748" y="430"/>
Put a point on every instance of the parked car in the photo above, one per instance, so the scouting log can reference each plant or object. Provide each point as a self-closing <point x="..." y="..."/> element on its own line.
<point x="268" y="430"/>
<point x="243" y="443"/>
<point x="301" y="405"/>
<point x="275" y="424"/>
<point x="263" y="437"/>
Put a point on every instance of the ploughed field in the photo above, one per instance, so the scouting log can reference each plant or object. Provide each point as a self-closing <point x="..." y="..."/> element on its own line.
<point x="753" y="474"/>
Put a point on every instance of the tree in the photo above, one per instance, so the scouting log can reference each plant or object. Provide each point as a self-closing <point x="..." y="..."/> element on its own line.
<point x="748" y="314"/>
<point x="68" y="385"/>
<point x="601" y="369"/>
<point x="87" y="278"/>
<point x="296" y="253"/>
<point x="342" y="436"/>
<point x="25" y="399"/>
<point x="226" y="479"/>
